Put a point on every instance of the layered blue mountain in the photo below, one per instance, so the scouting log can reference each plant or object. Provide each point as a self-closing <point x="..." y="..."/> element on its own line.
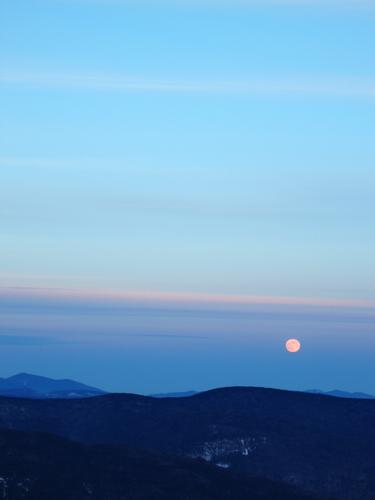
<point x="343" y="394"/>
<point x="336" y="393"/>
<point x="25" y="385"/>
<point x="185" y="394"/>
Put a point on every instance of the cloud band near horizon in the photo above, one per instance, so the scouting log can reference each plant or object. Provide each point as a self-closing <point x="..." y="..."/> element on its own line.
<point x="193" y="298"/>
<point x="294" y="86"/>
<point x="229" y="3"/>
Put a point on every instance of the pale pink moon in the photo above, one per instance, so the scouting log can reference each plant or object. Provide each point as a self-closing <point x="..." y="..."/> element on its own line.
<point x="293" y="345"/>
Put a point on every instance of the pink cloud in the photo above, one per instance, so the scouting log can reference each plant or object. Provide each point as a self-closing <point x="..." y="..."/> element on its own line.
<point x="194" y="298"/>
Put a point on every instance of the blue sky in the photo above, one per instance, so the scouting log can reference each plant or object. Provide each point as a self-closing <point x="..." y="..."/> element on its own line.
<point x="219" y="148"/>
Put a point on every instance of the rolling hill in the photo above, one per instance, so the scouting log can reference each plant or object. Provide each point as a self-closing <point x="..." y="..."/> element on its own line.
<point x="321" y="444"/>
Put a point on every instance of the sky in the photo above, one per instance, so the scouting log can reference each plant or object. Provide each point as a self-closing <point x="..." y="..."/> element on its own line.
<point x="183" y="186"/>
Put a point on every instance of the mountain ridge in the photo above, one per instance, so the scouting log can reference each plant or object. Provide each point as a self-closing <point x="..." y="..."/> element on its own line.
<point x="323" y="445"/>
<point x="39" y="387"/>
<point x="29" y="385"/>
<point x="337" y="393"/>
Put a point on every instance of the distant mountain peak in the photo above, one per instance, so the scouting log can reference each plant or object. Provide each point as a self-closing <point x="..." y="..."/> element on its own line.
<point x="185" y="394"/>
<point x="37" y="386"/>
<point x="342" y="394"/>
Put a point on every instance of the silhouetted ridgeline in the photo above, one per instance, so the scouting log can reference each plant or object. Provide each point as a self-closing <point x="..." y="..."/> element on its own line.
<point x="321" y="444"/>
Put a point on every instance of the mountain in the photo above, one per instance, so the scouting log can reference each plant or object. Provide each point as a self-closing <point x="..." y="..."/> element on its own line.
<point x="343" y="394"/>
<point x="337" y="393"/>
<point x="25" y="385"/>
<point x="185" y="394"/>
<point x="323" y="445"/>
<point x="43" y="467"/>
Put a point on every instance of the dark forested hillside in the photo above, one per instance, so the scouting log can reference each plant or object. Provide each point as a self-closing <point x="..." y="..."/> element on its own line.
<point x="322" y="444"/>
<point x="43" y="467"/>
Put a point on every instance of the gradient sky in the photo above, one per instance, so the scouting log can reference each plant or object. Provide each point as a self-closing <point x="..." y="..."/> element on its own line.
<point x="183" y="186"/>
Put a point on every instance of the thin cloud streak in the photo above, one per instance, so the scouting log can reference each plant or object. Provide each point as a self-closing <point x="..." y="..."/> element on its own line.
<point x="30" y="340"/>
<point x="230" y="3"/>
<point x="293" y="86"/>
<point x="197" y="298"/>
<point x="40" y="163"/>
<point x="166" y="336"/>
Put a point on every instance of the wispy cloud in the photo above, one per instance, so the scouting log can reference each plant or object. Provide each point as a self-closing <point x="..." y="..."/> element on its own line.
<point x="26" y="340"/>
<point x="289" y="86"/>
<point x="165" y="336"/>
<point x="178" y="298"/>
<point x="89" y="163"/>
<point x="40" y="162"/>
<point x="230" y="3"/>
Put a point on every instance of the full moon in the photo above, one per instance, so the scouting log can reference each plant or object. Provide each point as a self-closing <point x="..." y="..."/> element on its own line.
<point x="293" y="345"/>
